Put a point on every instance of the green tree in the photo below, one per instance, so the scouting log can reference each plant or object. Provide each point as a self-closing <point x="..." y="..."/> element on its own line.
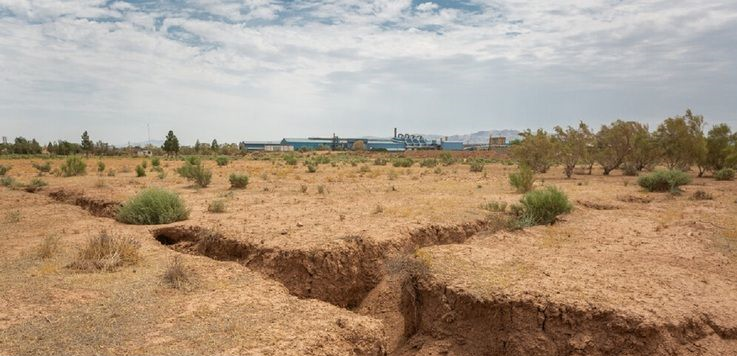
<point x="718" y="146"/>
<point x="645" y="151"/>
<point x="614" y="143"/>
<point x="572" y="146"/>
<point x="197" y="146"/>
<point x="214" y="146"/>
<point x="171" y="144"/>
<point x="536" y="150"/>
<point x="86" y="144"/>
<point x="682" y="140"/>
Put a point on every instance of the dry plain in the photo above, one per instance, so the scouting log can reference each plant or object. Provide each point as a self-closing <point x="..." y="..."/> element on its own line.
<point x="296" y="265"/>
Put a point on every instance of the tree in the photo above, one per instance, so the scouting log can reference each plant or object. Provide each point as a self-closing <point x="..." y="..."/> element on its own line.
<point x="718" y="146"/>
<point x="614" y="143"/>
<point x="197" y="146"/>
<point x="645" y="151"/>
<point x="214" y="146"/>
<point x="572" y="146"/>
<point x="171" y="144"/>
<point x="359" y="145"/>
<point x="682" y="140"/>
<point x="86" y="144"/>
<point x="536" y="150"/>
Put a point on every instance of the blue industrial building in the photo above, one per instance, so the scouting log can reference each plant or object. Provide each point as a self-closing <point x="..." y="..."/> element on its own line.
<point x="451" y="145"/>
<point x="398" y="143"/>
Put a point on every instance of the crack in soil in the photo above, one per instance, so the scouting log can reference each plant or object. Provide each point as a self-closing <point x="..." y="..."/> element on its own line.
<point x="95" y="206"/>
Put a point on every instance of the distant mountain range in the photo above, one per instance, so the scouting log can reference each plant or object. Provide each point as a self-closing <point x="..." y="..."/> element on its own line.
<point x="477" y="137"/>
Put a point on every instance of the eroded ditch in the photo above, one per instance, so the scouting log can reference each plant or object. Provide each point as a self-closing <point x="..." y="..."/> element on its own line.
<point x="345" y="272"/>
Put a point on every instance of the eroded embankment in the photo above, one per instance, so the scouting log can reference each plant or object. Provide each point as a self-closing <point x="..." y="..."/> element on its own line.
<point x="445" y="320"/>
<point x="96" y="206"/>
<point x="341" y="273"/>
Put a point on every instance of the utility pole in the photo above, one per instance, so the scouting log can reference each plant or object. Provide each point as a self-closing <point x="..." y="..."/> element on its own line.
<point x="148" y="128"/>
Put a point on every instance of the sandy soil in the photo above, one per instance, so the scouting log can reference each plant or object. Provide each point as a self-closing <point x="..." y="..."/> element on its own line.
<point x="651" y="272"/>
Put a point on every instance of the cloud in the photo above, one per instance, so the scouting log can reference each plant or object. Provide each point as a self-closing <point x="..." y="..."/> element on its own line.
<point x="266" y="69"/>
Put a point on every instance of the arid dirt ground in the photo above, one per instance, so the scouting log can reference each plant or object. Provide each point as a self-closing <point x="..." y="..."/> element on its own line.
<point x="296" y="265"/>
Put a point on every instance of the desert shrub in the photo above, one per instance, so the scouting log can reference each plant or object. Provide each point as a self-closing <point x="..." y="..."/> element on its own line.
<point x="111" y="172"/>
<point x="380" y="161"/>
<point x="222" y="161"/>
<point x="125" y="169"/>
<point x="724" y="174"/>
<point x="74" y="166"/>
<point x="100" y="167"/>
<point x="13" y="217"/>
<point x="196" y="173"/>
<point x="177" y="275"/>
<point x="321" y="159"/>
<point x="320" y="189"/>
<point x="144" y="164"/>
<point x="438" y="170"/>
<point x="364" y="169"/>
<point x="238" y="181"/>
<point x="522" y="180"/>
<point x="429" y="163"/>
<point x="663" y="181"/>
<point x="311" y="168"/>
<point x="4" y="169"/>
<point x="290" y="160"/>
<point x="140" y="171"/>
<point x="378" y="209"/>
<point x="35" y="185"/>
<point x="629" y="170"/>
<point x="105" y="252"/>
<point x="477" y="166"/>
<point x="42" y="168"/>
<point x="7" y="182"/>
<point x="701" y="195"/>
<point x="193" y="160"/>
<point x="541" y="207"/>
<point x="49" y="247"/>
<point x="495" y="206"/>
<point x="303" y="188"/>
<point x="407" y="267"/>
<point x="153" y="206"/>
<point x="403" y="162"/>
<point x="447" y="159"/>
<point x="216" y="206"/>
<point x="155" y="162"/>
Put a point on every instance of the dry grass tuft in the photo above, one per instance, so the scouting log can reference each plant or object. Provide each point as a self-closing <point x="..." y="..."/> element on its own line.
<point x="49" y="247"/>
<point x="105" y="252"/>
<point x="177" y="275"/>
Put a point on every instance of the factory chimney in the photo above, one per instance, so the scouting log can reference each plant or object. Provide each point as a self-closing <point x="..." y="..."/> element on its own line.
<point x="395" y="132"/>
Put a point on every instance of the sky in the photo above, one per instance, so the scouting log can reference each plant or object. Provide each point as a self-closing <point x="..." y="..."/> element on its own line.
<point x="260" y="69"/>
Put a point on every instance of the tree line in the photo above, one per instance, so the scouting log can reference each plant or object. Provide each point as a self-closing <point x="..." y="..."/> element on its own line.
<point x="86" y="146"/>
<point x="678" y="143"/>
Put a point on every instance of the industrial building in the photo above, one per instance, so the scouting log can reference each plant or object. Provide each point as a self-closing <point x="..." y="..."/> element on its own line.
<point x="398" y="143"/>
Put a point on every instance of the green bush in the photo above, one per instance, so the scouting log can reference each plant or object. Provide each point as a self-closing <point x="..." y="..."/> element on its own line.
<point x="35" y="185"/>
<point x="42" y="168"/>
<point x="74" y="166"/>
<point x="522" y="180"/>
<point x="140" y="171"/>
<point x="193" y="160"/>
<point x="311" y="168"/>
<point x="477" y="166"/>
<point x="380" y="161"/>
<point x="403" y="162"/>
<point x="216" y="206"/>
<point x="195" y="172"/>
<point x="100" y="167"/>
<point x="155" y="161"/>
<point x="724" y="174"/>
<point x="663" y="181"/>
<point x="447" y="159"/>
<point x="429" y="162"/>
<point x="153" y="206"/>
<point x="222" y="161"/>
<point x="7" y="182"/>
<point x="4" y="169"/>
<point x="144" y="164"/>
<point x="290" y="160"/>
<point x="238" y="181"/>
<point x="541" y="207"/>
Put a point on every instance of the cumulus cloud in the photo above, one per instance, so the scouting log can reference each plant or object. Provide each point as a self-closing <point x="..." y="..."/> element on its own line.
<point x="252" y="69"/>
